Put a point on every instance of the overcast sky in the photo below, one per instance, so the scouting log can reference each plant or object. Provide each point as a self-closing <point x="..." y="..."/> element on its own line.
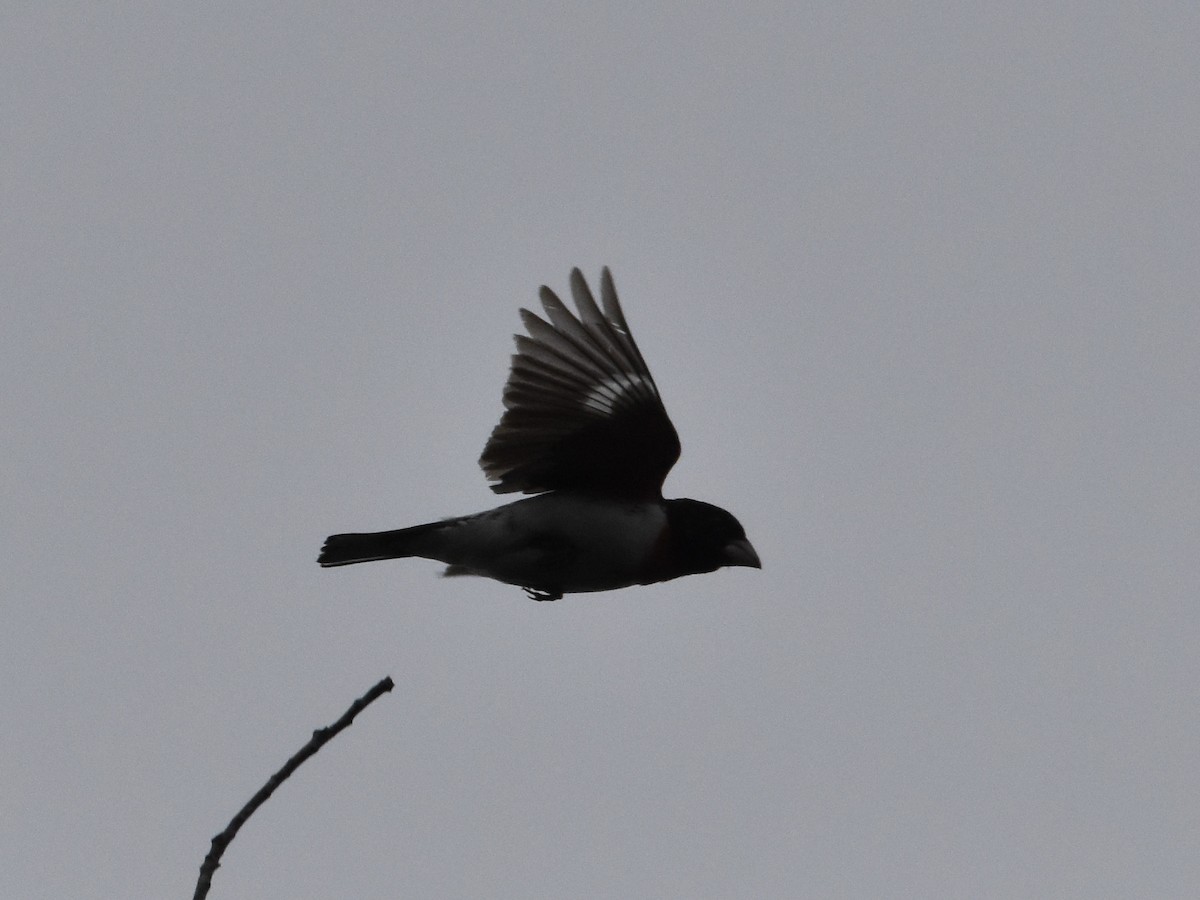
<point x="918" y="283"/>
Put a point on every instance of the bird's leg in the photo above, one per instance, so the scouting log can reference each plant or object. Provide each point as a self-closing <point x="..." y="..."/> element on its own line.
<point x="535" y="594"/>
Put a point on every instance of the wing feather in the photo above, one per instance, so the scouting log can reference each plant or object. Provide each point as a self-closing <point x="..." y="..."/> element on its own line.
<point x="582" y="411"/>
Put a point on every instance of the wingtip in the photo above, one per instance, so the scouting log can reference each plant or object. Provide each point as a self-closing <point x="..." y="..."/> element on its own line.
<point x="581" y="293"/>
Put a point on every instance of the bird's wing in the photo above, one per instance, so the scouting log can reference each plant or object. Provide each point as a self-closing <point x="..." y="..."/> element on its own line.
<point x="582" y="411"/>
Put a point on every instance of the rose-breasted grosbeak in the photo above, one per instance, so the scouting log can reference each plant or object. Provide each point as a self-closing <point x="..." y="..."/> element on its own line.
<point x="584" y="429"/>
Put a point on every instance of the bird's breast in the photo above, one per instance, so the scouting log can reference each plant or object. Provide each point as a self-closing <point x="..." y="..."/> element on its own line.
<point x="567" y="542"/>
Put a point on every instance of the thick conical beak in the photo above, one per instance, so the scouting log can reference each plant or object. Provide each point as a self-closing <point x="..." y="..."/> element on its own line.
<point x="740" y="553"/>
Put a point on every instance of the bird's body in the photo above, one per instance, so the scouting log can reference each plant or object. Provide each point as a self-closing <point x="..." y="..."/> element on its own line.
<point x="586" y="432"/>
<point x="552" y="543"/>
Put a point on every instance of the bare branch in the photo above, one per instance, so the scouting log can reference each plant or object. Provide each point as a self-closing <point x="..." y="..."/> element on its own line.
<point x="320" y="738"/>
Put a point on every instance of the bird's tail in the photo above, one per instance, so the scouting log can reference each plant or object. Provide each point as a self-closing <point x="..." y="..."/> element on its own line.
<point x="344" y="549"/>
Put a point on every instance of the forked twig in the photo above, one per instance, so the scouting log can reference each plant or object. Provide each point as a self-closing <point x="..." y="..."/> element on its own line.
<point x="320" y="738"/>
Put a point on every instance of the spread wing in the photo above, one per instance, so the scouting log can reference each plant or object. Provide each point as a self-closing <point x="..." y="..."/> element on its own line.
<point x="581" y="409"/>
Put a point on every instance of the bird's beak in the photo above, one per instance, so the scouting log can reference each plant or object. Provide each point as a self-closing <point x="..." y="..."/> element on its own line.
<point x="740" y="553"/>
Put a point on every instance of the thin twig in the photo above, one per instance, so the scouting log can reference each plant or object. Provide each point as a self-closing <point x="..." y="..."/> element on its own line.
<point x="320" y="738"/>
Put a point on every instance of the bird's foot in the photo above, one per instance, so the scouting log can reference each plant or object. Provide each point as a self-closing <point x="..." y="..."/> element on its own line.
<point x="535" y="594"/>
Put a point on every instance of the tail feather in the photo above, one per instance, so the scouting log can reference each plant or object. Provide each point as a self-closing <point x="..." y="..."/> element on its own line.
<point x="346" y="549"/>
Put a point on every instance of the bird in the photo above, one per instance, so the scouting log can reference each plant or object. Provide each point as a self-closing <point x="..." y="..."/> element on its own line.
<point x="584" y="431"/>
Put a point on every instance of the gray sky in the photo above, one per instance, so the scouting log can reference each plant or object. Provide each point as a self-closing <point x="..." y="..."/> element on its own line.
<point x="918" y="283"/>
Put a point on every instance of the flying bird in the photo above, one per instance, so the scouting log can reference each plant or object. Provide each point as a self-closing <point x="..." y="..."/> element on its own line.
<point x="585" y="431"/>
